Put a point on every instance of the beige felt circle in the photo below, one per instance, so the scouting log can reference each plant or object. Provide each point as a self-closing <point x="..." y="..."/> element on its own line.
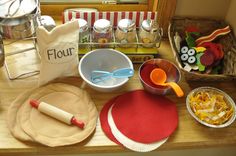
<point x="13" y="117"/>
<point x="51" y="132"/>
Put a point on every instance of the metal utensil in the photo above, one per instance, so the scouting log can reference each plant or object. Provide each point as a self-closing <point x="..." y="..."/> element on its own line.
<point x="5" y="2"/>
<point x="9" y="9"/>
<point x="17" y="8"/>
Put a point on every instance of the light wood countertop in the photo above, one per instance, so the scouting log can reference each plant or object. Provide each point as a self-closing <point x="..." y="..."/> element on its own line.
<point x="189" y="133"/>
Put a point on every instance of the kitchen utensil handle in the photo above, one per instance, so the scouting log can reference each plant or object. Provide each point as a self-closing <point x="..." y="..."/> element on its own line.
<point x="178" y="91"/>
<point x="100" y="78"/>
<point x="123" y="73"/>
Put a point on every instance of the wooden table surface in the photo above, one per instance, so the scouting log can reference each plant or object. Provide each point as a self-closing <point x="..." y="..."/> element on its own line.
<point x="189" y="133"/>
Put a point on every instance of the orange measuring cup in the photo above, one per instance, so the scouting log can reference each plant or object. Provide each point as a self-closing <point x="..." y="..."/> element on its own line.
<point x="158" y="77"/>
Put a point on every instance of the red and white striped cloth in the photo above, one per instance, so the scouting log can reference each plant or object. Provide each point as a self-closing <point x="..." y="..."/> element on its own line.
<point x="114" y="17"/>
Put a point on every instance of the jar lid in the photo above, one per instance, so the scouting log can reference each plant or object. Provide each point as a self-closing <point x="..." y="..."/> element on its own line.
<point x="83" y="25"/>
<point x="126" y="25"/>
<point x="150" y="25"/>
<point x="102" y="25"/>
<point x="17" y="8"/>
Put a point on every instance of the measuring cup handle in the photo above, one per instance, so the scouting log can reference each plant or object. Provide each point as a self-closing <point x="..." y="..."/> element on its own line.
<point x="178" y="91"/>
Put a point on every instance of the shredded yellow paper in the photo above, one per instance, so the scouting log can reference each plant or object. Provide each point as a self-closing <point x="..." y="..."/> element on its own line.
<point x="210" y="107"/>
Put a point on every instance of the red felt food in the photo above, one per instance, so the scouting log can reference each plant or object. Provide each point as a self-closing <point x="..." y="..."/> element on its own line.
<point x="104" y="121"/>
<point x="207" y="58"/>
<point x="144" y="117"/>
<point x="216" y="49"/>
<point x="192" y="29"/>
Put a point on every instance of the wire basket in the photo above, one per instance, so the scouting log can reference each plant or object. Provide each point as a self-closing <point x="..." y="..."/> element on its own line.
<point x="206" y="27"/>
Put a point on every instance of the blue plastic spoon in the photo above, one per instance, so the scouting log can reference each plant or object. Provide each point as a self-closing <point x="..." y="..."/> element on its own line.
<point x="99" y="75"/>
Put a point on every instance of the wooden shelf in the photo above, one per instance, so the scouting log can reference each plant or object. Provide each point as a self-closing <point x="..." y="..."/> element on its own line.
<point x="189" y="134"/>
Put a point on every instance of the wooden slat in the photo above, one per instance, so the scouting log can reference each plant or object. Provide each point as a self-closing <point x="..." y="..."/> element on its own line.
<point x="166" y="10"/>
<point x="154" y="6"/>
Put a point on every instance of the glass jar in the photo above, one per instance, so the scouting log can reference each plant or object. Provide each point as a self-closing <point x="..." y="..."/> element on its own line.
<point x="83" y="32"/>
<point x="126" y="33"/>
<point x="148" y="33"/>
<point x="102" y="32"/>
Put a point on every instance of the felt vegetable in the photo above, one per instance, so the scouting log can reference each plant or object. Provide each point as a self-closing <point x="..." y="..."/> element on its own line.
<point x="191" y="52"/>
<point x="216" y="49"/>
<point x="189" y="67"/>
<point x="192" y="60"/>
<point x="184" y="50"/>
<point x="207" y="58"/>
<point x="190" y="40"/>
<point x="177" y="40"/>
<point x="199" y="49"/>
<point x="184" y="57"/>
<point x="192" y="29"/>
<point x="188" y="55"/>
<point x="201" y="67"/>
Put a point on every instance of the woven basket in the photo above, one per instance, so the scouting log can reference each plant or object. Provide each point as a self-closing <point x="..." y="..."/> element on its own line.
<point x="206" y="27"/>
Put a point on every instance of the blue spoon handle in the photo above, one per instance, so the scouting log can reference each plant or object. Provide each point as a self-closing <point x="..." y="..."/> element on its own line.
<point x="123" y="73"/>
<point x="98" y="75"/>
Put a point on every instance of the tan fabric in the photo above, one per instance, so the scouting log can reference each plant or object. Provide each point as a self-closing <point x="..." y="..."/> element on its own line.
<point x="13" y="117"/>
<point x="59" y="51"/>
<point x="47" y="130"/>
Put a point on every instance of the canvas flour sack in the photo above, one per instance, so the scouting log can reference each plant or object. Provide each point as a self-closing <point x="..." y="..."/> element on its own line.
<point x="58" y="50"/>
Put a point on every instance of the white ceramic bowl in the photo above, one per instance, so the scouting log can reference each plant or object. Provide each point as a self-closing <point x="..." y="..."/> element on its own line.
<point x="106" y="60"/>
<point x="227" y="99"/>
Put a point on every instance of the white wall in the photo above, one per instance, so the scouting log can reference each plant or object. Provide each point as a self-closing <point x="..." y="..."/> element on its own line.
<point x="231" y="15"/>
<point x="221" y="9"/>
<point x="203" y="8"/>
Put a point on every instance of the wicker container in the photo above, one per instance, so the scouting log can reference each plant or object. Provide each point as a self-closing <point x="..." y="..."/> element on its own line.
<point x="206" y="27"/>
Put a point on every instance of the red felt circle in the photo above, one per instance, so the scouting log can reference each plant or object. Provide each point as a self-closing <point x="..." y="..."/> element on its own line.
<point x="207" y="58"/>
<point x="144" y="117"/>
<point x="104" y="121"/>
